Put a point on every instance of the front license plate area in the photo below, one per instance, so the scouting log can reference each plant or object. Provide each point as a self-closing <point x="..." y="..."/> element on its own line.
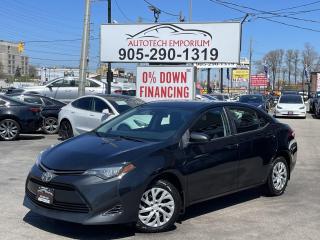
<point x="45" y="195"/>
<point x="290" y="113"/>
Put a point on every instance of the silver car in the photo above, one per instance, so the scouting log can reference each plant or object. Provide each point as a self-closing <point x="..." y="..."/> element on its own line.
<point x="66" y="89"/>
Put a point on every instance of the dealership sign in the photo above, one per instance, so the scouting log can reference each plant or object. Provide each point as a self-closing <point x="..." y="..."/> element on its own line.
<point x="259" y="80"/>
<point x="240" y="75"/>
<point x="163" y="43"/>
<point x="159" y="83"/>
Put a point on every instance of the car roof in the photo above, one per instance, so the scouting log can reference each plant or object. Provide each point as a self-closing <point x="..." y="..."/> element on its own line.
<point x="193" y="105"/>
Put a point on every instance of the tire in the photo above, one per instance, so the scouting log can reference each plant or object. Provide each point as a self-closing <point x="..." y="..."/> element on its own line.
<point x="50" y="125"/>
<point x="278" y="177"/>
<point x="9" y="129"/>
<point x="65" y="130"/>
<point x="156" y="221"/>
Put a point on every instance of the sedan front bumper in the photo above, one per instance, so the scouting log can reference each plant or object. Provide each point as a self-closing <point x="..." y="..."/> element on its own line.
<point x="85" y="199"/>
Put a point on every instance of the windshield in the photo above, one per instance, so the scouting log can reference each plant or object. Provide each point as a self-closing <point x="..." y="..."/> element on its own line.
<point x="146" y="123"/>
<point x="291" y="99"/>
<point x="124" y="104"/>
<point x="251" y="99"/>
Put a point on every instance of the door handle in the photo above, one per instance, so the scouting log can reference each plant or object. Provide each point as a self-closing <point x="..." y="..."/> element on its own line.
<point x="72" y="112"/>
<point x="67" y="90"/>
<point x="91" y="90"/>
<point x="232" y="147"/>
<point x="91" y="115"/>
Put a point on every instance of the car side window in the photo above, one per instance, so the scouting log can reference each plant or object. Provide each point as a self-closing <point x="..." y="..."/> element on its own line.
<point x="83" y="103"/>
<point x="91" y="84"/>
<point x="100" y="105"/>
<point x="58" y="83"/>
<point x="246" y="119"/>
<point x="31" y="99"/>
<point x="47" y="102"/>
<point x="213" y="123"/>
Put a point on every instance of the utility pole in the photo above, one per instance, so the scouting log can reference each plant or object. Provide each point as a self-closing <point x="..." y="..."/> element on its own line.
<point x="109" y="72"/>
<point x="209" y="90"/>
<point x="221" y="80"/>
<point x="84" y="49"/>
<point x="190" y="10"/>
<point x="250" y="63"/>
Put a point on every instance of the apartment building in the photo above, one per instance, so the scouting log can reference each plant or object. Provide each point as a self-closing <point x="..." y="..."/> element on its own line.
<point x="11" y="59"/>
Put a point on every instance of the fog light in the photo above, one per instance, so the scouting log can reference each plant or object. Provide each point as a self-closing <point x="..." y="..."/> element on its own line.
<point x="115" y="210"/>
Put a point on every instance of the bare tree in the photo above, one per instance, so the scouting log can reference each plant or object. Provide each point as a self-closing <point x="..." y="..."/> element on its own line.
<point x="295" y="64"/>
<point x="271" y="59"/>
<point x="309" y="56"/>
<point x="289" y="61"/>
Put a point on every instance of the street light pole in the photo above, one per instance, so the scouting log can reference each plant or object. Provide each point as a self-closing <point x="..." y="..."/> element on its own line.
<point x="84" y="49"/>
<point x="250" y="63"/>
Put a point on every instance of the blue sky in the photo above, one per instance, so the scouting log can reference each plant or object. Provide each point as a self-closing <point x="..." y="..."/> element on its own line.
<point x="31" y="20"/>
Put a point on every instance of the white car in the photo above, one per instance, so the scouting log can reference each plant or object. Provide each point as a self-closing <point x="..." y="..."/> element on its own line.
<point x="86" y="113"/>
<point x="65" y="89"/>
<point x="290" y="106"/>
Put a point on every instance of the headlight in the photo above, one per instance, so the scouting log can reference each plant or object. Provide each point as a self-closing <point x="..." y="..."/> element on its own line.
<point x="111" y="172"/>
<point x="302" y="107"/>
<point x="260" y="106"/>
<point x="279" y="107"/>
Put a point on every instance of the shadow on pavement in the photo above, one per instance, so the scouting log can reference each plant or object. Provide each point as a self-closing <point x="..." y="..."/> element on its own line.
<point x="30" y="137"/>
<point x="78" y="231"/>
<point x="221" y="203"/>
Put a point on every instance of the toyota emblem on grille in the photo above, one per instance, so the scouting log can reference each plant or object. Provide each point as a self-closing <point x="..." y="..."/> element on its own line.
<point x="47" y="176"/>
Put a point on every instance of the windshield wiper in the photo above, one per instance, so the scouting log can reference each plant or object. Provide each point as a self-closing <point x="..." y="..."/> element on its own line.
<point x="130" y="138"/>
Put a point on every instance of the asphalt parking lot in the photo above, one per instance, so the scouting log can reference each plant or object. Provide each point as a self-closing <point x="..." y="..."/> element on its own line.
<point x="245" y="215"/>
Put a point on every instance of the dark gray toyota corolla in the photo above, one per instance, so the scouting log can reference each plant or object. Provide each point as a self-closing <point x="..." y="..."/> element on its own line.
<point x="147" y="165"/>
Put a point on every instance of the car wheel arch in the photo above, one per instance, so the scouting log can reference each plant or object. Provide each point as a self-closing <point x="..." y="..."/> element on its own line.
<point x="175" y="180"/>
<point x="286" y="155"/>
<point x="12" y="117"/>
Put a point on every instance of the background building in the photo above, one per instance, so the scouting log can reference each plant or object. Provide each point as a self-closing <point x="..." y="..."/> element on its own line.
<point x="49" y="73"/>
<point x="11" y="60"/>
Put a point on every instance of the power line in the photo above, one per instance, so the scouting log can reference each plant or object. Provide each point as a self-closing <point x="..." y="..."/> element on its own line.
<point x="58" y="40"/>
<point x="54" y="53"/>
<point x="168" y="13"/>
<point x="122" y="12"/>
<point x="55" y="60"/>
<point x="298" y="6"/>
<point x="275" y="21"/>
<point x="267" y="12"/>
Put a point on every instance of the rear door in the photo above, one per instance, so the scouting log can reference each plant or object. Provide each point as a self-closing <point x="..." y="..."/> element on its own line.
<point x="211" y="167"/>
<point x="68" y="90"/>
<point x="81" y="115"/>
<point x="257" y="144"/>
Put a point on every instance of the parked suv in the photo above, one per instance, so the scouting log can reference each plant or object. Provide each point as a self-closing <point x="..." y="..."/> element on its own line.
<point x="66" y="89"/>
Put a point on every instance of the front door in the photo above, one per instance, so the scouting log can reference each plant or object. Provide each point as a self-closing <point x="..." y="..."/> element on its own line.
<point x="211" y="167"/>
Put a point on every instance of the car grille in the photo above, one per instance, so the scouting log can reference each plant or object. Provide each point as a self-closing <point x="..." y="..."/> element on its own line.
<point x="73" y="203"/>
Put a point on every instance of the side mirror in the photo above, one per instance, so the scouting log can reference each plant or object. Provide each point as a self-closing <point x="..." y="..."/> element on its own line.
<point x="49" y="86"/>
<point x="106" y="112"/>
<point x="196" y="137"/>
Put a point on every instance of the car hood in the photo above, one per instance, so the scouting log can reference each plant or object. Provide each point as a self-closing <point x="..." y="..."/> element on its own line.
<point x="89" y="151"/>
<point x="285" y="106"/>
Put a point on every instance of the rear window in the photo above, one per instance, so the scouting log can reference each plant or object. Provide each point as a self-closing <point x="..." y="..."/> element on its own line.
<point x="124" y="104"/>
<point x="291" y="99"/>
<point x="251" y="99"/>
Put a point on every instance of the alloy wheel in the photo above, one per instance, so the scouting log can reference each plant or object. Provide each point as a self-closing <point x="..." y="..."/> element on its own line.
<point x="8" y="129"/>
<point x="50" y="125"/>
<point x="156" y="208"/>
<point x="279" y="176"/>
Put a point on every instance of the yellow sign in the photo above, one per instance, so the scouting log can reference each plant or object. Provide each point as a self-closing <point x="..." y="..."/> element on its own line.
<point x="240" y="74"/>
<point x="20" y="47"/>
